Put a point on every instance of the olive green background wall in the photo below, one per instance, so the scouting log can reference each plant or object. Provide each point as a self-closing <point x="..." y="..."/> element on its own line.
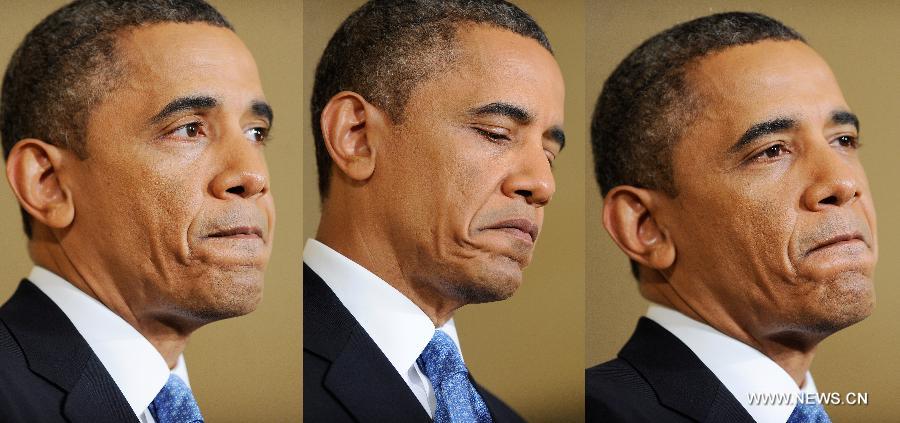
<point x="861" y="42"/>
<point x="244" y="369"/>
<point x="527" y="350"/>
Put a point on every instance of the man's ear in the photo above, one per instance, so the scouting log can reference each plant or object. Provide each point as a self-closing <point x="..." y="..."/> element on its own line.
<point x="350" y="126"/>
<point x="32" y="169"/>
<point x="628" y="216"/>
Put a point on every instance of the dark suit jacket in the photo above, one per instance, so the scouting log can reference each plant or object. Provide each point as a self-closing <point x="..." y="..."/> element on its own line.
<point x="346" y="377"/>
<point x="48" y="373"/>
<point x="657" y="378"/>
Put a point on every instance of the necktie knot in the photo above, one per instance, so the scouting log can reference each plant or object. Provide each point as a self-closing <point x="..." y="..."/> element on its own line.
<point x="457" y="400"/>
<point x="175" y="403"/>
<point x="441" y="359"/>
<point x="809" y="413"/>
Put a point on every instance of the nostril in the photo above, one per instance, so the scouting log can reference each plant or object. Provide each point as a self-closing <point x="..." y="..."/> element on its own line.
<point x="832" y="200"/>
<point x="524" y="193"/>
<point x="238" y="190"/>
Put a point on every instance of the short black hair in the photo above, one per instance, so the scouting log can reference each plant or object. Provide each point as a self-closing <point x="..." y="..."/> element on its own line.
<point x="65" y="66"/>
<point x="646" y="101"/>
<point x="386" y="47"/>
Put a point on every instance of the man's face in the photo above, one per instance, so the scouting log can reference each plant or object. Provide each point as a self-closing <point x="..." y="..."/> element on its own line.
<point x="468" y="170"/>
<point x="173" y="201"/>
<point x="773" y="222"/>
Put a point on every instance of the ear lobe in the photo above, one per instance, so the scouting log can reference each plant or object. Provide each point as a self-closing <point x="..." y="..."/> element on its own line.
<point x="32" y="169"/>
<point x="348" y="122"/>
<point x="628" y="217"/>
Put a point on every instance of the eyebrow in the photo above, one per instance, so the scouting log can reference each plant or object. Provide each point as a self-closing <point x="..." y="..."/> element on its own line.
<point x="184" y="103"/>
<point x="781" y="124"/>
<point x="556" y="134"/>
<point x="511" y="111"/>
<point x="181" y="104"/>
<point x="263" y="110"/>
<point x="519" y="115"/>
<point x="843" y="117"/>
<point x="759" y="130"/>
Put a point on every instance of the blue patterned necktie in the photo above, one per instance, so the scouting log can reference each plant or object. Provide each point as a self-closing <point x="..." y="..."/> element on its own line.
<point x="175" y="403"/>
<point x="457" y="399"/>
<point x="809" y="413"/>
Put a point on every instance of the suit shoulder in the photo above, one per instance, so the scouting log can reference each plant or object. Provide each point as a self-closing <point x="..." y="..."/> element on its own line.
<point x="616" y="378"/>
<point x="12" y="361"/>
<point x="33" y="398"/>
<point x="616" y="392"/>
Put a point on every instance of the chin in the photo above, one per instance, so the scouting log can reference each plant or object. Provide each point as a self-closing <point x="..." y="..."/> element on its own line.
<point x="495" y="280"/>
<point x="846" y="299"/>
<point x="228" y="295"/>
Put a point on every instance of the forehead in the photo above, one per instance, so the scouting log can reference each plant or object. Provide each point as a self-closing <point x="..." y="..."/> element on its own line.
<point x="173" y="59"/>
<point x="751" y="83"/>
<point x="493" y="65"/>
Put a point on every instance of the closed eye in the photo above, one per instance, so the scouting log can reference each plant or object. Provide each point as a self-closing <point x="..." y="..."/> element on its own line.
<point x="550" y="157"/>
<point x="491" y="135"/>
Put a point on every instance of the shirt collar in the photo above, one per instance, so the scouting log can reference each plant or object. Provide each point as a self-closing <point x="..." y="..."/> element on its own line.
<point x="744" y="370"/>
<point x="397" y="325"/>
<point x="132" y="361"/>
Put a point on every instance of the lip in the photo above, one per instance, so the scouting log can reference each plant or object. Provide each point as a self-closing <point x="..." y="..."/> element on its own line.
<point x="523" y="228"/>
<point x="838" y="240"/>
<point x="237" y="232"/>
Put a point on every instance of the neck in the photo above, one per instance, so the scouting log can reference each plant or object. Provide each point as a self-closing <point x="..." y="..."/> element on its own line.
<point x="367" y="242"/>
<point x="793" y="352"/>
<point x="169" y="340"/>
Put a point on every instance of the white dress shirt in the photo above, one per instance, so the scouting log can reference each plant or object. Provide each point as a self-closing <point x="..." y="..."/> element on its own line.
<point x="135" y="365"/>
<point x="399" y="327"/>
<point x="743" y="369"/>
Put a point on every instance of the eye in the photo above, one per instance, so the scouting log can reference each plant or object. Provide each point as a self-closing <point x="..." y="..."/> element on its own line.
<point x="771" y="152"/>
<point x="493" y="136"/>
<point x="848" y="141"/>
<point x="258" y="134"/>
<point x="188" y="130"/>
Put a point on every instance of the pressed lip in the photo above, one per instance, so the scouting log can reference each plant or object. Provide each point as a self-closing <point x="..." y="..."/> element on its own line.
<point x="523" y="225"/>
<point x="238" y="231"/>
<point x="836" y="240"/>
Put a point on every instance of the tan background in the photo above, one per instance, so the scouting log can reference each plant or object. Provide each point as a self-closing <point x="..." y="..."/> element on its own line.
<point x="860" y="41"/>
<point x="527" y="350"/>
<point x="244" y="369"/>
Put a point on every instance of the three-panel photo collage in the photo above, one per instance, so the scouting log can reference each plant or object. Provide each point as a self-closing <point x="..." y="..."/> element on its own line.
<point x="451" y="211"/>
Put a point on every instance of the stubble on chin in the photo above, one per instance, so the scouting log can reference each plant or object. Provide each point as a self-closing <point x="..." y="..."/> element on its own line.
<point x="488" y="282"/>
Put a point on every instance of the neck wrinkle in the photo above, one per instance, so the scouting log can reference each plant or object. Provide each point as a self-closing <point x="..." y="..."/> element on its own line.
<point x="794" y="357"/>
<point x="168" y="340"/>
<point x="368" y="244"/>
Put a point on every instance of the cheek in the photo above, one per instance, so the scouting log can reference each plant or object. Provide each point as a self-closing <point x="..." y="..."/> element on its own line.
<point x="156" y="200"/>
<point x="751" y="229"/>
<point x="440" y="182"/>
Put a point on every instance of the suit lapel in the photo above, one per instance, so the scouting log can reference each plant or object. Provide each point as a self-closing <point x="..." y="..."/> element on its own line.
<point x="56" y="351"/>
<point x="360" y="377"/>
<point x="681" y="381"/>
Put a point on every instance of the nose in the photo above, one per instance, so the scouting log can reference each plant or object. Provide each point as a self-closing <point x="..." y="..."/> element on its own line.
<point x="531" y="177"/>
<point x="836" y="180"/>
<point x="244" y="173"/>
